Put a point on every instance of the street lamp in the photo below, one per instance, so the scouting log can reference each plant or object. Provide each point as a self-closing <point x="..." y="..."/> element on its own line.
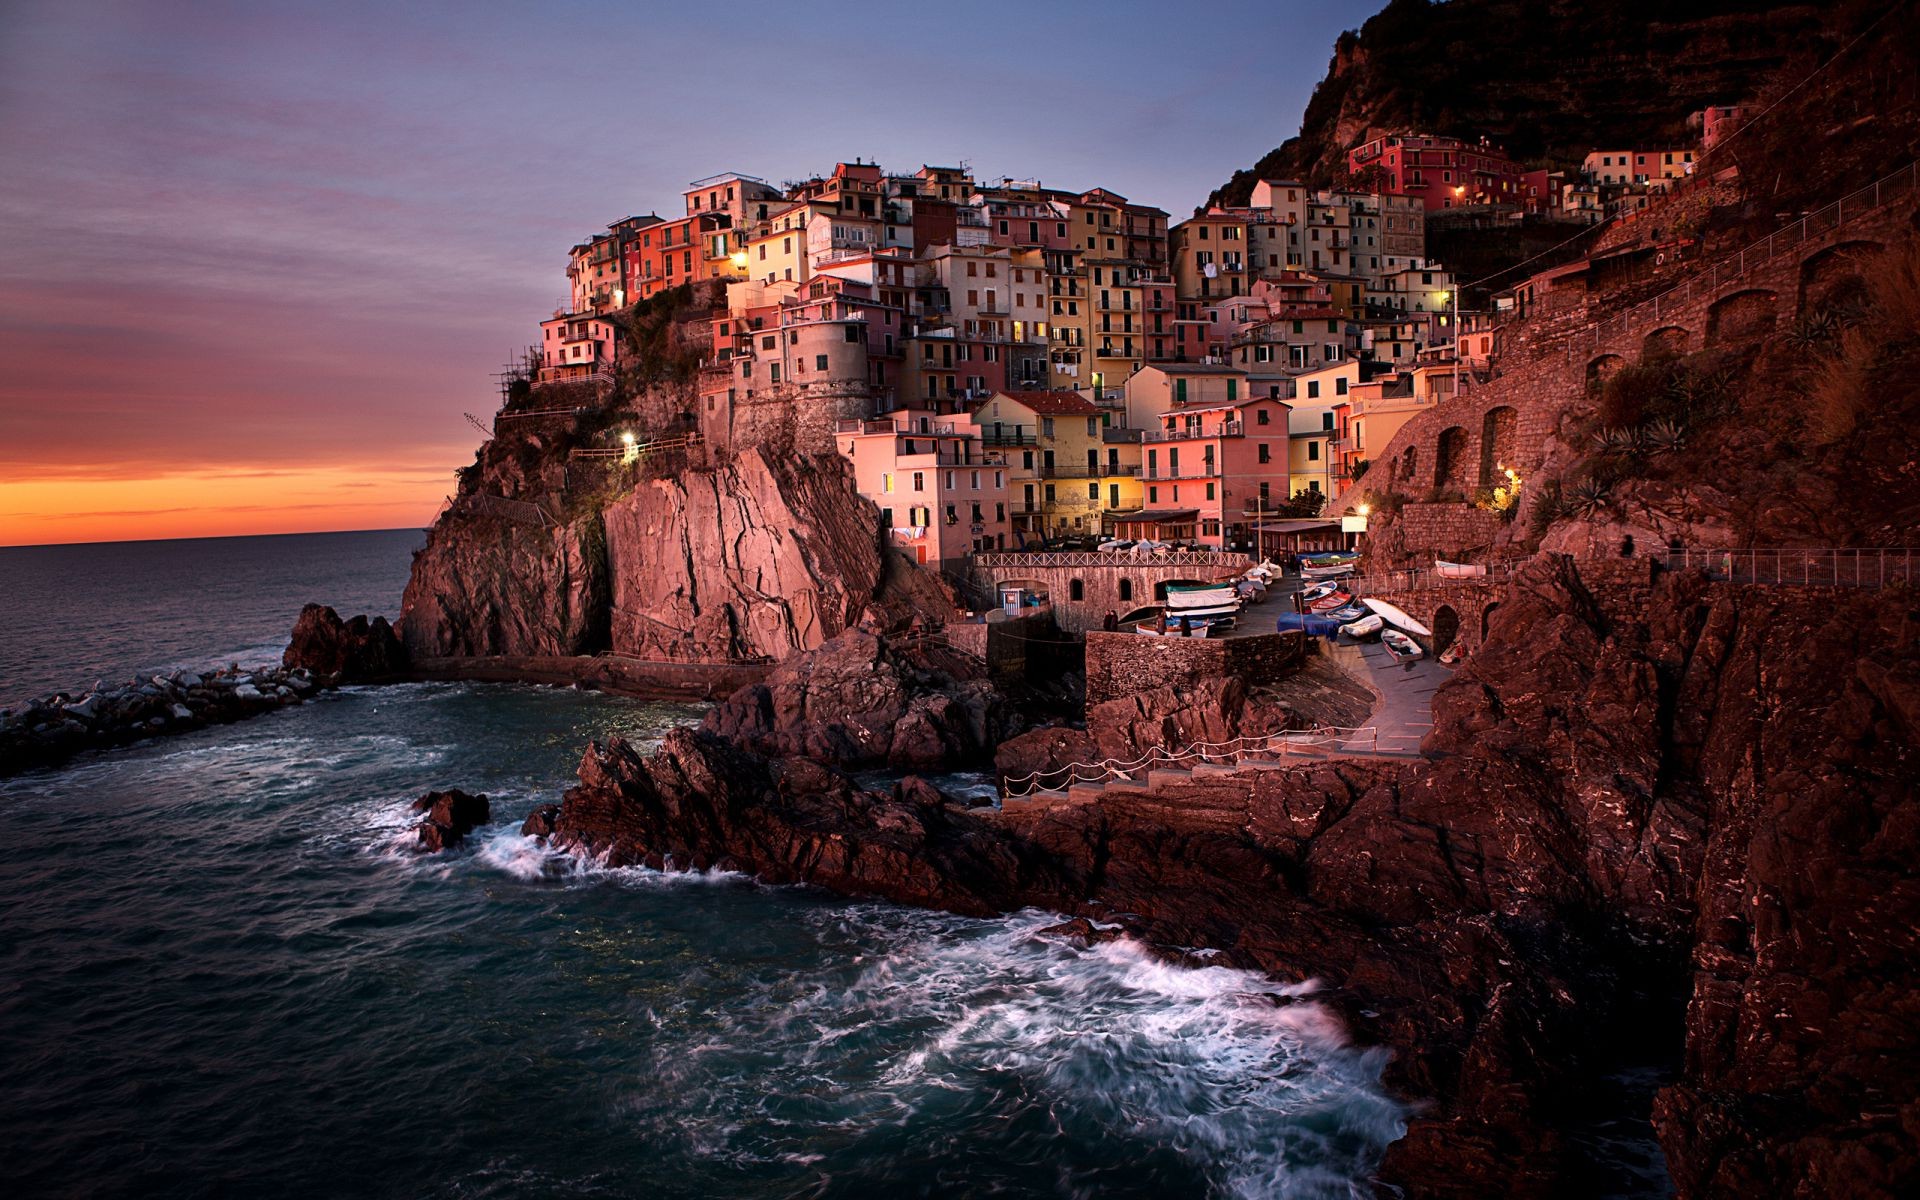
<point x="1454" y="296"/>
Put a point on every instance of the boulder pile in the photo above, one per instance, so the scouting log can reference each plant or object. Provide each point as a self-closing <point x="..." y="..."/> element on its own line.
<point x="54" y="728"/>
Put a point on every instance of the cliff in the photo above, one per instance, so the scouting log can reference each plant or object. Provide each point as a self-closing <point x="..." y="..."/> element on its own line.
<point x="1548" y="81"/>
<point x="557" y="544"/>
<point x="1687" y="825"/>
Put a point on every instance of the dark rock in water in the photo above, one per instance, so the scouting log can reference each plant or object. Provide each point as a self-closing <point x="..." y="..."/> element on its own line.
<point x="539" y="822"/>
<point x="451" y="816"/>
<point x="344" y="651"/>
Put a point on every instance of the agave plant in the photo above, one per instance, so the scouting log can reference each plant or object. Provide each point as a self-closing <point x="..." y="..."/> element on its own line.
<point x="1616" y="441"/>
<point x="1666" y="435"/>
<point x="1814" y="330"/>
<point x="1586" y="497"/>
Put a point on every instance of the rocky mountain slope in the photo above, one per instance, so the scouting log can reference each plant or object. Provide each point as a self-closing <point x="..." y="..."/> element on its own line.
<point x="1686" y="826"/>
<point x="1549" y="81"/>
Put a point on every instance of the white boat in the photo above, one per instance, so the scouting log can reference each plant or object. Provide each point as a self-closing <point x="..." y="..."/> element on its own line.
<point x="1397" y="616"/>
<point x="1179" y="599"/>
<point x="1317" y="591"/>
<point x="1365" y="627"/>
<point x="1454" y="570"/>
<point x="1399" y="644"/>
<point x="1329" y="571"/>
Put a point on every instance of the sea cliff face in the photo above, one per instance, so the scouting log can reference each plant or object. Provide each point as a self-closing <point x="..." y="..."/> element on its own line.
<point x="754" y="556"/>
<point x="1691" y="827"/>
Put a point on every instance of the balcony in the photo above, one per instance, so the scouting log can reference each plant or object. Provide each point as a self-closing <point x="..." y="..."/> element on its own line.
<point x="1117" y="436"/>
<point x="1011" y="437"/>
<point x="1195" y="433"/>
<point x="1207" y="469"/>
<point x="1120" y="471"/>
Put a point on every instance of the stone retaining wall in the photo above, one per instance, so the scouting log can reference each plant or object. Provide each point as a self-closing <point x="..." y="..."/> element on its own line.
<point x="1120" y="664"/>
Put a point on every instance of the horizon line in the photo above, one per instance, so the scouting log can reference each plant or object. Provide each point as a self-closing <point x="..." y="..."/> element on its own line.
<point x="210" y="537"/>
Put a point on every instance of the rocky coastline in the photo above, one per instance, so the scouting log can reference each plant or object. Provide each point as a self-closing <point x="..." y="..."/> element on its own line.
<point x="1676" y="837"/>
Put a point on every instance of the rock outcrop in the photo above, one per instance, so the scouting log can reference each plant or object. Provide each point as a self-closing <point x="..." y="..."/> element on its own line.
<point x="856" y="702"/>
<point x="450" y="816"/>
<point x="1692" y="826"/>
<point x="758" y="557"/>
<point x="491" y="583"/>
<point x="352" y="651"/>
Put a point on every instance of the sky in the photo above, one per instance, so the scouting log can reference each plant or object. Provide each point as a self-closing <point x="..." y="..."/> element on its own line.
<point x="257" y="260"/>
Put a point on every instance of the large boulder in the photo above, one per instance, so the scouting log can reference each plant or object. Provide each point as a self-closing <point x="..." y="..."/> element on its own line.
<point x="344" y="651"/>
<point x="450" y="816"/>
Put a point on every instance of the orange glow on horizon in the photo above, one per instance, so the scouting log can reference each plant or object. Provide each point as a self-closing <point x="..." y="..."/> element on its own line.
<point x="216" y="502"/>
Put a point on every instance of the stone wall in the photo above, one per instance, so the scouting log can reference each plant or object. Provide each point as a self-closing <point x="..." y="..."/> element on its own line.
<point x="1459" y="611"/>
<point x="1107" y="582"/>
<point x="1120" y="664"/>
<point x="1524" y="416"/>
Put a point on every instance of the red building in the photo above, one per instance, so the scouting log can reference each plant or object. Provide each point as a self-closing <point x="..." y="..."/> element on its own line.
<point x="1442" y="172"/>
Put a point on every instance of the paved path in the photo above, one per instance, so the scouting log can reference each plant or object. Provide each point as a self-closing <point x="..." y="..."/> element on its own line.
<point x="1404" y="714"/>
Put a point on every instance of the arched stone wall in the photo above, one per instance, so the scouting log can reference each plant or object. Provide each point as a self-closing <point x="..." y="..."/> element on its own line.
<point x="1741" y="316"/>
<point x="1668" y="341"/>
<point x="1499" y="438"/>
<point x="1446" y="627"/>
<point x="1450" y="458"/>
<point x="1409" y="467"/>
<point x="1833" y="268"/>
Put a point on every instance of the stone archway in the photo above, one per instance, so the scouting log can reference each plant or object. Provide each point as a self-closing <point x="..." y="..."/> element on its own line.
<point x="1836" y="274"/>
<point x="1499" y="438"/>
<point x="1409" y="465"/>
<point x="1600" y="367"/>
<point x="1446" y="628"/>
<point x="1668" y="341"/>
<point x="1450" y="457"/>
<point x="1741" y="316"/>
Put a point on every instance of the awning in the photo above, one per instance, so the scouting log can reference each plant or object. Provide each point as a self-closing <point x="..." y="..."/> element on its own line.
<point x="1299" y="525"/>
<point x="1158" y="516"/>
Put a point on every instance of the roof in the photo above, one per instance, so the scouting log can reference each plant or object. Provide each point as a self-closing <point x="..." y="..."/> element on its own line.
<point x="1054" y="404"/>
<point x="1158" y="516"/>
<point x="1198" y="369"/>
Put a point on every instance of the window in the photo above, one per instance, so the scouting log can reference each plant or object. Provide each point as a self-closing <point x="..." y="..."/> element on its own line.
<point x="819" y="362"/>
<point x="1266" y="452"/>
<point x="1313" y="389"/>
<point x="1340" y="387"/>
<point x="1126" y="589"/>
<point x="853" y="333"/>
<point x="1261" y="417"/>
<point x="1076" y="590"/>
<point x="1313" y="451"/>
<point x="919" y="481"/>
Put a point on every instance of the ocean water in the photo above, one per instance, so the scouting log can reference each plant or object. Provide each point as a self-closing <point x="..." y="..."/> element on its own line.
<point x="71" y="615"/>
<point x="222" y="974"/>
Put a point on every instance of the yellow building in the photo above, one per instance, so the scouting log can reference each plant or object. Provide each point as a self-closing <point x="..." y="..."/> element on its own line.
<point x="1053" y="443"/>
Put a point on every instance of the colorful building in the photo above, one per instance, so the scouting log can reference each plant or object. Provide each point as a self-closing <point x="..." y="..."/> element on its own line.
<point x="942" y="494"/>
<point x="1442" y="172"/>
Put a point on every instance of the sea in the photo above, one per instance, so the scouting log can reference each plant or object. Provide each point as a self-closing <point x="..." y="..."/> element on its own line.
<point x="222" y="974"/>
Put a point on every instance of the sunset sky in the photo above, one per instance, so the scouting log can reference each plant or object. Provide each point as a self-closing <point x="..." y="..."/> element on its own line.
<point x="259" y="258"/>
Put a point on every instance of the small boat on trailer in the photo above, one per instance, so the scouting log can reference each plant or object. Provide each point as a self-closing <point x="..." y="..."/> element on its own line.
<point x="1365" y="626"/>
<point x="1399" y="644"/>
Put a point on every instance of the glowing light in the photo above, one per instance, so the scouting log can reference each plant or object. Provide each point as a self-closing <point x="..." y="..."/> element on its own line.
<point x="1365" y="510"/>
<point x="627" y="438"/>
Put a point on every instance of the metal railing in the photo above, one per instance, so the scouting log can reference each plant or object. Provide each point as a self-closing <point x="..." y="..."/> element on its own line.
<point x="1195" y="432"/>
<point x="1852" y="206"/>
<point x="1222" y="559"/>
<point x="1415" y="579"/>
<point x="1825" y="566"/>
<point x="1270" y="749"/>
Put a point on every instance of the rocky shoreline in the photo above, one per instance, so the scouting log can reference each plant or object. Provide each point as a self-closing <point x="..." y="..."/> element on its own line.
<point x="52" y="729"/>
<point x="1673" y="836"/>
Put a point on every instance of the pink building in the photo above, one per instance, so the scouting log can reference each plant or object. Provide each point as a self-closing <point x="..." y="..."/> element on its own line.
<point x="941" y="494"/>
<point x="578" y="346"/>
<point x="1210" y="472"/>
<point x="1443" y="172"/>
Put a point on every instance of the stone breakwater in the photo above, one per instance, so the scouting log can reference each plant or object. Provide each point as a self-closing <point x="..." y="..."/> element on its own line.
<point x="54" y="728"/>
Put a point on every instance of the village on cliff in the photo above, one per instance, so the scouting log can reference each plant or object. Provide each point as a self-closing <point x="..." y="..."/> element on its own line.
<point x="1011" y="366"/>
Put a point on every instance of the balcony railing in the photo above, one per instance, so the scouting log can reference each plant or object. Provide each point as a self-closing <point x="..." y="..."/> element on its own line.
<point x="1194" y="433"/>
<point x="1008" y="438"/>
<point x="1203" y="470"/>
